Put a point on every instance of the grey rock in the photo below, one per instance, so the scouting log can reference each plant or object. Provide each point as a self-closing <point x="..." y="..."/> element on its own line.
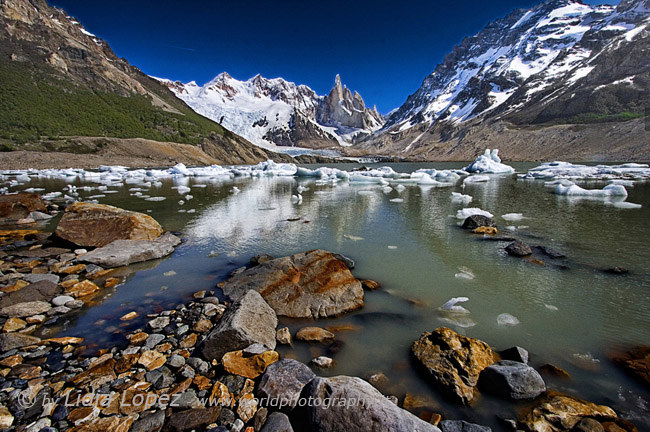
<point x="40" y="216"/>
<point x="277" y="422"/>
<point x="74" y="304"/>
<point x="176" y="361"/>
<point x="59" y="310"/>
<point x="198" y="365"/>
<point x="373" y="412"/>
<point x="62" y="300"/>
<point x="517" y="354"/>
<point x="512" y="380"/>
<point x="149" y="422"/>
<point x="256" y="348"/>
<point x="247" y="321"/>
<point x="160" y="378"/>
<point x="476" y="221"/>
<point x="21" y="310"/>
<point x="349" y="262"/>
<point x="519" y="249"/>
<point x="153" y="340"/>
<point x="187" y="372"/>
<point x="283" y="336"/>
<point x="551" y="253"/>
<point x="322" y="362"/>
<point x="237" y="426"/>
<point x="37" y="291"/>
<point x="462" y="426"/>
<point x="158" y="323"/>
<point x="588" y="425"/>
<point x="9" y="341"/>
<point x="283" y="381"/>
<point x="34" y="277"/>
<point x="187" y="400"/>
<point x="124" y="252"/>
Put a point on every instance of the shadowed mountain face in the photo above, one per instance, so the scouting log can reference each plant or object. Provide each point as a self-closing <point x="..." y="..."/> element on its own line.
<point x="59" y="81"/>
<point x="561" y="71"/>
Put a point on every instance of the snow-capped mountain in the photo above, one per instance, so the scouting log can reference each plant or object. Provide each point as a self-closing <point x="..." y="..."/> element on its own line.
<point x="561" y="62"/>
<point x="275" y="112"/>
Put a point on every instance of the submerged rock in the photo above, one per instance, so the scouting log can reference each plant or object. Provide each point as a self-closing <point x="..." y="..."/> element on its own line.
<point x="558" y="412"/>
<point x="96" y="225"/>
<point x="475" y="221"/>
<point x="247" y="321"/>
<point x="636" y="362"/>
<point x="519" y="249"/>
<point x="124" y="252"/>
<point x="312" y="284"/>
<point x="14" y="207"/>
<point x="453" y="362"/>
<point x="511" y="379"/>
<point x="351" y="404"/>
<point x="314" y="334"/>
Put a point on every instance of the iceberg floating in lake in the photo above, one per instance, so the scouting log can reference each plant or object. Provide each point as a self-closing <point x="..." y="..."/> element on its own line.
<point x="505" y="319"/>
<point x="459" y="198"/>
<point x="471" y="211"/>
<point x="512" y="216"/>
<point x="489" y="163"/>
<point x="612" y="190"/>
<point x="566" y="170"/>
<point x="476" y="179"/>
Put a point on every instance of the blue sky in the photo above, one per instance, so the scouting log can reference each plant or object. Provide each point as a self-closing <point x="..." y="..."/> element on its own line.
<point x="383" y="49"/>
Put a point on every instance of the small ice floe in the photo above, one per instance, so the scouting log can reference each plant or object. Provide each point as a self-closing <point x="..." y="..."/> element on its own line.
<point x="213" y="254"/>
<point x="300" y="189"/>
<point x="626" y="205"/>
<point x="155" y="199"/>
<point x="191" y="211"/>
<point x="50" y="196"/>
<point x="189" y="197"/>
<point x="464" y="273"/>
<point x="169" y="273"/>
<point x="626" y="183"/>
<point x="551" y="307"/>
<point x="452" y="305"/>
<point x="392" y="247"/>
<point x="511" y="217"/>
<point x="558" y="169"/>
<point x="182" y="190"/>
<point x="505" y="319"/>
<point x="427" y="180"/>
<point x="351" y="237"/>
<point x="366" y="192"/>
<point x="199" y="185"/>
<point x="400" y="188"/>
<point x="459" y="198"/>
<point x="586" y="357"/>
<point x="235" y="190"/>
<point x="475" y="179"/>
<point x="296" y="199"/>
<point x="471" y="211"/>
<point x="612" y="190"/>
<point x="397" y="200"/>
<point x="96" y="196"/>
<point x="181" y="202"/>
<point x="387" y="189"/>
<point x="490" y="163"/>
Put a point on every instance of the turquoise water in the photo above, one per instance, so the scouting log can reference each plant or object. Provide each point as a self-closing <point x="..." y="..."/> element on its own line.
<point x="571" y="313"/>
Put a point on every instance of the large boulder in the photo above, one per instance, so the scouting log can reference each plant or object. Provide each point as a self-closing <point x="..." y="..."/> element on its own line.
<point x="462" y="426"/>
<point x="453" y="362"/>
<point x="277" y="422"/>
<point x="247" y="321"/>
<point x="26" y="309"/>
<point x="282" y="383"/>
<point x="347" y="403"/>
<point x="124" y="252"/>
<point x="14" y="207"/>
<point x="311" y="284"/>
<point x="559" y="412"/>
<point x="96" y="225"/>
<point x="476" y="221"/>
<point x="511" y="379"/>
<point x="518" y="249"/>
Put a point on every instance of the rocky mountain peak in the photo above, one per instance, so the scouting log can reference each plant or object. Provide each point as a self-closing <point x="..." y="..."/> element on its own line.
<point x="347" y="110"/>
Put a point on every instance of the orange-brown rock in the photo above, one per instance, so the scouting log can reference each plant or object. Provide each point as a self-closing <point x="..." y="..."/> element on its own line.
<point x="221" y="396"/>
<point x="138" y="338"/>
<point x="189" y="341"/>
<point x="112" y="424"/>
<point x="181" y="387"/>
<point x="14" y="287"/>
<point x="202" y="326"/>
<point x="18" y="206"/>
<point x="251" y="367"/>
<point x="67" y="340"/>
<point x="313" y="284"/>
<point x="82" y="289"/>
<point x="370" y="285"/>
<point x="111" y="282"/>
<point x="97" y="375"/>
<point x="201" y="382"/>
<point x="152" y="359"/>
<point x="314" y="334"/>
<point x="486" y="230"/>
<point x="453" y="362"/>
<point x="126" y="362"/>
<point x="129" y="316"/>
<point x="75" y="269"/>
<point x="96" y="225"/>
<point x="12" y="360"/>
<point x="558" y="412"/>
<point x="13" y="324"/>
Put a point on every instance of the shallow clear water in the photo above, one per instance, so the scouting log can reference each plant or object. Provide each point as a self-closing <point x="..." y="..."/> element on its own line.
<point x="414" y="250"/>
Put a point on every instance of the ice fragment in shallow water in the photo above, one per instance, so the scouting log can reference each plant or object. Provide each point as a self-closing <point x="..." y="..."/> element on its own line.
<point x="397" y="200"/>
<point x="476" y="179"/>
<point x="452" y="306"/>
<point x="464" y="273"/>
<point x="513" y="216"/>
<point x="627" y="205"/>
<point x="471" y="211"/>
<point x="235" y="190"/>
<point x="612" y="190"/>
<point x="351" y="237"/>
<point x="489" y="162"/>
<point x="459" y="198"/>
<point x="505" y="319"/>
<point x="551" y="307"/>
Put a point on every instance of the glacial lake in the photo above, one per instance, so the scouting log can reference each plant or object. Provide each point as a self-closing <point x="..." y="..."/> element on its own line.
<point x="571" y="313"/>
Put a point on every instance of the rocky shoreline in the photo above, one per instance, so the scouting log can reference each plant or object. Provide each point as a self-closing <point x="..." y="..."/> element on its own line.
<point x="211" y="364"/>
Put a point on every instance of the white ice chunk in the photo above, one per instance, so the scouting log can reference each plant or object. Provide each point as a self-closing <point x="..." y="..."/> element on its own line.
<point x="471" y="211"/>
<point x="607" y="191"/>
<point x="459" y="198"/>
<point x="512" y="217"/>
<point x="452" y="305"/>
<point x="489" y="163"/>
<point x="505" y="319"/>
